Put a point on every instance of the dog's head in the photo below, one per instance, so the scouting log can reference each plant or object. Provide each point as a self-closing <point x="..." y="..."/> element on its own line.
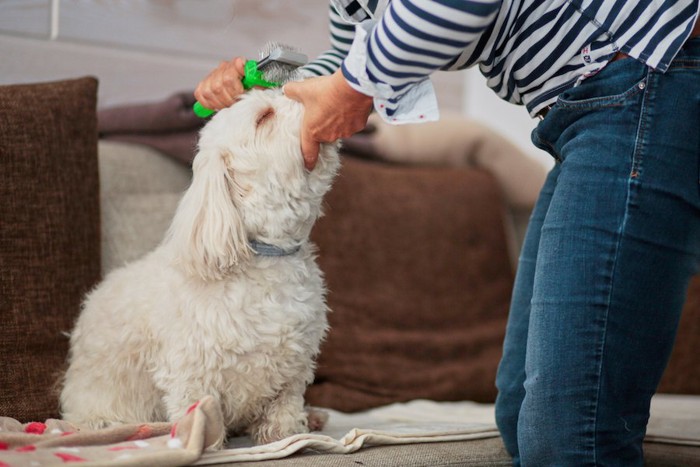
<point x="249" y="183"/>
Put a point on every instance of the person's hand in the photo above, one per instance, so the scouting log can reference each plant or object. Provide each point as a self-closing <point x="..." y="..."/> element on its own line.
<point x="332" y="110"/>
<point x="222" y="86"/>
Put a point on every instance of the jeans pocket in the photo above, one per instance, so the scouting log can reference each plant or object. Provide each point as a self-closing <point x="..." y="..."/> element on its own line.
<point x="613" y="86"/>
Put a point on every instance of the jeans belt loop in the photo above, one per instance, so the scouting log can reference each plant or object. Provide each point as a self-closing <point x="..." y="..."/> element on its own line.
<point x="543" y="112"/>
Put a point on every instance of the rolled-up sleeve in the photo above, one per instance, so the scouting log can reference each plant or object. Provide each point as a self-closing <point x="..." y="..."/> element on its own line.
<point x="391" y="58"/>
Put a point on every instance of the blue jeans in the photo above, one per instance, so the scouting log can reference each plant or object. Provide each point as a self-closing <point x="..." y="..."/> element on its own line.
<point x="610" y="249"/>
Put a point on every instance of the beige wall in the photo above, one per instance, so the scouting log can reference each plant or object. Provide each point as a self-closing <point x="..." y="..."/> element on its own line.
<point x="143" y="50"/>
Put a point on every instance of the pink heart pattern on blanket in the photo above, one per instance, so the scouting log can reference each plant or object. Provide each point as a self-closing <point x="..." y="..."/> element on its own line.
<point x="56" y="442"/>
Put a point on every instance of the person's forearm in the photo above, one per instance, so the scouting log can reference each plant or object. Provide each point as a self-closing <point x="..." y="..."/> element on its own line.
<point x="341" y="37"/>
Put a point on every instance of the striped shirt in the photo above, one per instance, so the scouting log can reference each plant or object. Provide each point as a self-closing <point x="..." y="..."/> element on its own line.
<point x="530" y="51"/>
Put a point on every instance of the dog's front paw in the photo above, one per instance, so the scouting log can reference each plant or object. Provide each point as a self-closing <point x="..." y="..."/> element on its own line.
<point x="317" y="418"/>
<point x="270" y="431"/>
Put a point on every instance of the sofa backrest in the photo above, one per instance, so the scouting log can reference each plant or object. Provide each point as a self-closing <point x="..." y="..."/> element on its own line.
<point x="49" y="234"/>
<point x="417" y="266"/>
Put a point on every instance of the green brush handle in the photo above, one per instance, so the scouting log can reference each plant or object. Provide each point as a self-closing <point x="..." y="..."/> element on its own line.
<point x="201" y="111"/>
<point x="253" y="77"/>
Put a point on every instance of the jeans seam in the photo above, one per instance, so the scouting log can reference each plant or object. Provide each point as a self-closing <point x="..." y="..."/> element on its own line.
<point x="637" y="155"/>
<point x="633" y="175"/>
<point x="602" y="351"/>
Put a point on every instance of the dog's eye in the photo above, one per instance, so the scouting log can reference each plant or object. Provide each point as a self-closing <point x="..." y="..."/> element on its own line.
<point x="264" y="116"/>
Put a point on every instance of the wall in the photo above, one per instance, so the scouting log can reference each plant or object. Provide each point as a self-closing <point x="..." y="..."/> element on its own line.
<point x="512" y="121"/>
<point x="145" y="50"/>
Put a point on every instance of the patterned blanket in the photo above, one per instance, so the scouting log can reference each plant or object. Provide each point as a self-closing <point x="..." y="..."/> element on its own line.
<point x="674" y="420"/>
<point x="192" y="438"/>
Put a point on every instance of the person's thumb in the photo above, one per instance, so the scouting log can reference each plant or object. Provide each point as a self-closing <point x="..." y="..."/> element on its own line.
<point x="239" y="63"/>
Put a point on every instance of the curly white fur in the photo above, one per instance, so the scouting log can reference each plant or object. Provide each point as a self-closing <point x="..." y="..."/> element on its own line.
<point x="202" y="314"/>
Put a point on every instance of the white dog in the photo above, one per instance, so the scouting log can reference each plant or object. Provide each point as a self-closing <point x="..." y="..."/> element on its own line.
<point x="231" y="304"/>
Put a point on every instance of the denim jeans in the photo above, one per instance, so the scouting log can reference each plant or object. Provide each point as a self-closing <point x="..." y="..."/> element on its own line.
<point x="612" y="243"/>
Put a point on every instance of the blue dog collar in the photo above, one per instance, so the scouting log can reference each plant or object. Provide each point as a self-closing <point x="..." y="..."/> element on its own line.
<point x="265" y="249"/>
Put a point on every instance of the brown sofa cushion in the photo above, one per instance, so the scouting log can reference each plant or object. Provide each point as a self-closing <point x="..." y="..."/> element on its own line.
<point x="683" y="373"/>
<point x="419" y="278"/>
<point x="49" y="241"/>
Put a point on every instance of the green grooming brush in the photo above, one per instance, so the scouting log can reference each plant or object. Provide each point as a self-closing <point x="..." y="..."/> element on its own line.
<point x="281" y="61"/>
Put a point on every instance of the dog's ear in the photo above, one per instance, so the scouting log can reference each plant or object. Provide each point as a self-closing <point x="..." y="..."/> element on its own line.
<point x="207" y="232"/>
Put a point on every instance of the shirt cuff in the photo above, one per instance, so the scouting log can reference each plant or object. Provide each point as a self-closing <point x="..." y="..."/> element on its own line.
<point x="418" y="104"/>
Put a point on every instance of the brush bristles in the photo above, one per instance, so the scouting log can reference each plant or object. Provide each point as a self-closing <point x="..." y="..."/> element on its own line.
<point x="278" y="69"/>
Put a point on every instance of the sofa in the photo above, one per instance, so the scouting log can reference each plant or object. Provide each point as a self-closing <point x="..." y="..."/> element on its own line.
<point x="418" y="255"/>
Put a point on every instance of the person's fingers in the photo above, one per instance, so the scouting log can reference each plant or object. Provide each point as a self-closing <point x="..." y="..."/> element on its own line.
<point x="310" y="148"/>
<point x="202" y="92"/>
<point x="208" y="94"/>
<point x="222" y="87"/>
<point x="226" y="86"/>
<point x="330" y="112"/>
